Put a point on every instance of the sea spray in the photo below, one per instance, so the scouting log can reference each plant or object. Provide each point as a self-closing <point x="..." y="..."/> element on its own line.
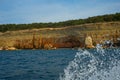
<point x="83" y="66"/>
<point x="99" y="65"/>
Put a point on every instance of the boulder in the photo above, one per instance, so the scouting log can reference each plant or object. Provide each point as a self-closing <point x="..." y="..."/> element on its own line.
<point x="88" y="42"/>
<point x="1" y="48"/>
<point x="11" y="48"/>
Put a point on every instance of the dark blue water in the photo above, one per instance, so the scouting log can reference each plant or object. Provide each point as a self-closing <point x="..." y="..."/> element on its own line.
<point x="50" y="64"/>
<point x="34" y="64"/>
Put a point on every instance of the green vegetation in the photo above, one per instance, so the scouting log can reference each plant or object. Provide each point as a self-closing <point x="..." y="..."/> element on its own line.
<point x="66" y="34"/>
<point x="62" y="37"/>
<point x="95" y="19"/>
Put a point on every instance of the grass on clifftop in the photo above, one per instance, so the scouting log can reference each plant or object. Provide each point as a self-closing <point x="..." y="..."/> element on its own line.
<point x="95" y="19"/>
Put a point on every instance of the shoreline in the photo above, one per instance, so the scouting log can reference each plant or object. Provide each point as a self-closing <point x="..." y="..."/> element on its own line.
<point x="15" y="49"/>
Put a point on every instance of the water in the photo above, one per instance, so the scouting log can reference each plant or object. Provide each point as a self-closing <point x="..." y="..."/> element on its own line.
<point x="34" y="64"/>
<point x="94" y="64"/>
<point x="60" y="64"/>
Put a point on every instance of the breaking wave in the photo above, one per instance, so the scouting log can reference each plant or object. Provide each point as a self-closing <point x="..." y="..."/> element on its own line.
<point x="94" y="64"/>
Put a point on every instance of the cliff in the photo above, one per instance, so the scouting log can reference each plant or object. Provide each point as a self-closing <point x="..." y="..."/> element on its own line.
<point x="63" y="37"/>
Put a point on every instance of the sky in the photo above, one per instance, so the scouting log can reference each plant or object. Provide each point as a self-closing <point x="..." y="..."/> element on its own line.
<point x="35" y="11"/>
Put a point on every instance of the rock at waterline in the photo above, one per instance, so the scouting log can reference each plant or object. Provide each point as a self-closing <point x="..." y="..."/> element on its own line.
<point x="88" y="42"/>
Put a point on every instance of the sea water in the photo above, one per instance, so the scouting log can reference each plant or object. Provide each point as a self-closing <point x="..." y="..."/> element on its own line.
<point x="60" y="64"/>
<point x="94" y="64"/>
<point x="34" y="64"/>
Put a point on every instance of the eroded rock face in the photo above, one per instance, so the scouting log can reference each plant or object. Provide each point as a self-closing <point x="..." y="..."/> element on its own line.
<point x="48" y="46"/>
<point x="88" y="42"/>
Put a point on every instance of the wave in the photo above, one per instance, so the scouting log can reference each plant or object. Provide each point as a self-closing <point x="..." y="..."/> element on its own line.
<point x="96" y="64"/>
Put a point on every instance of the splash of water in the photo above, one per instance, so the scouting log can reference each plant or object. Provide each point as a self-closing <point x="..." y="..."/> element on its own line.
<point x="100" y="65"/>
<point x="82" y="66"/>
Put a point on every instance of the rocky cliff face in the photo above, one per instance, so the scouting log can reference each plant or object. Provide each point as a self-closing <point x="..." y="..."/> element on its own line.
<point x="69" y="36"/>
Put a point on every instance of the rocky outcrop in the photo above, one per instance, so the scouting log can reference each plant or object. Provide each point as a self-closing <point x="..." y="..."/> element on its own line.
<point x="11" y="48"/>
<point x="1" y="48"/>
<point x="88" y="42"/>
<point x="63" y="37"/>
<point x="7" y="48"/>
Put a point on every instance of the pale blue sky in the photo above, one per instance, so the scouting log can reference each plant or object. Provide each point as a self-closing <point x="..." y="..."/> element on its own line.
<point x="31" y="11"/>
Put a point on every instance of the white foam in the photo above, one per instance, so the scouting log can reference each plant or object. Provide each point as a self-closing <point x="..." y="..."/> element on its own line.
<point x="84" y="67"/>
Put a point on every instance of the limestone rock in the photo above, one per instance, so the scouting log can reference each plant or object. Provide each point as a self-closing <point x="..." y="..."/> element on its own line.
<point x="48" y="46"/>
<point x="88" y="42"/>
<point x="11" y="48"/>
